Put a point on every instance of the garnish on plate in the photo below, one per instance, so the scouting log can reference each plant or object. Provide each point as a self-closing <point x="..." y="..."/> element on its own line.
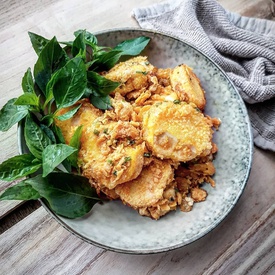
<point x="64" y="73"/>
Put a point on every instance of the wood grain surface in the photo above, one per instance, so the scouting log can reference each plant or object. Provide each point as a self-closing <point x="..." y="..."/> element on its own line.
<point x="33" y="243"/>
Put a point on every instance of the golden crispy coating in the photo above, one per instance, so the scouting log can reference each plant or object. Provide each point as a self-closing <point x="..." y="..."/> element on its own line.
<point x="86" y="114"/>
<point x="153" y="150"/>
<point x="132" y="74"/>
<point x="148" y="188"/>
<point x="194" y="174"/>
<point x="187" y="85"/>
<point x="177" y="131"/>
<point x="198" y="194"/>
<point x="111" y="152"/>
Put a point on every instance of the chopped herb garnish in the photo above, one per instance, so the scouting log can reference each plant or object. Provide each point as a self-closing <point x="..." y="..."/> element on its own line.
<point x="141" y="72"/>
<point x="132" y="141"/>
<point x="105" y="131"/>
<point x="147" y="155"/>
<point x="96" y="132"/>
<point x="115" y="173"/>
<point x="176" y="101"/>
<point x="127" y="159"/>
<point x="110" y="161"/>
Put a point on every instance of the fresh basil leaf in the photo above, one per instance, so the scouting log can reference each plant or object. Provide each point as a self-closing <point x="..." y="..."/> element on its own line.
<point x="58" y="134"/>
<point x="53" y="155"/>
<point x="132" y="46"/>
<point x="100" y="102"/>
<point x="100" y="84"/>
<point x="10" y="114"/>
<point x="69" y="114"/>
<point x="28" y="99"/>
<point x="90" y="39"/>
<point x="35" y="137"/>
<point x="18" y="167"/>
<point x="69" y="83"/>
<point x="79" y="47"/>
<point x="27" y="82"/>
<point x="48" y="120"/>
<point x="20" y="191"/>
<point x="48" y="132"/>
<point x="75" y="143"/>
<point x="51" y="58"/>
<point x="66" y="194"/>
<point x="38" y="42"/>
<point x="104" y="61"/>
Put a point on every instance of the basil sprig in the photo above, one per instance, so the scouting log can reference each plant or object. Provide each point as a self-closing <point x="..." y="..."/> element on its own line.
<point x="64" y="73"/>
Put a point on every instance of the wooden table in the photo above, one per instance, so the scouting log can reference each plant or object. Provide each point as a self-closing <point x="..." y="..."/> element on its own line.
<point x="33" y="243"/>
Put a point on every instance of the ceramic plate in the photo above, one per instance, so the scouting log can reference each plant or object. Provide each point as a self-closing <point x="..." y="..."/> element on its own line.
<point x="117" y="227"/>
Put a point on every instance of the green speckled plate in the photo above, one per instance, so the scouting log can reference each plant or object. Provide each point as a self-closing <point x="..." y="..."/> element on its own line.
<point x="117" y="227"/>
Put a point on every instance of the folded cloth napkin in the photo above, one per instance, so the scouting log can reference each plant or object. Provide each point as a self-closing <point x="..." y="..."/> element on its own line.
<point x="243" y="47"/>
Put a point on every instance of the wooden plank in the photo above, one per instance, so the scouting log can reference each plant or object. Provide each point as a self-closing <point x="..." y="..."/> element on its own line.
<point x="44" y="247"/>
<point x="8" y="141"/>
<point x="253" y="252"/>
<point x="253" y="8"/>
<point x="11" y="217"/>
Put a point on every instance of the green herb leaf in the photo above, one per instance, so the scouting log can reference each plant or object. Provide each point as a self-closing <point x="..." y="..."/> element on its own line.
<point x="38" y="42"/>
<point x="101" y="102"/>
<point x="104" y="61"/>
<point x="28" y="99"/>
<point x="53" y="155"/>
<point x="132" y="46"/>
<point x="90" y="39"/>
<point x="69" y="114"/>
<point x="100" y="84"/>
<point x="48" y="120"/>
<point x="75" y="143"/>
<point x="66" y="194"/>
<point x="20" y="191"/>
<point x="48" y="132"/>
<point x="79" y="47"/>
<point x="10" y="114"/>
<point x="51" y="58"/>
<point x="69" y="83"/>
<point x="18" y="167"/>
<point x="58" y="134"/>
<point x="35" y="137"/>
<point x="27" y="82"/>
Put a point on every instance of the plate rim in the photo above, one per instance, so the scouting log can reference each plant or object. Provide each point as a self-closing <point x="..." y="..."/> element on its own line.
<point x="209" y="228"/>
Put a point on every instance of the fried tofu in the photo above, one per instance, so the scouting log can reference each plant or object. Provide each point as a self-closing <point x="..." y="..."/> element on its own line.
<point x="147" y="189"/>
<point x="153" y="149"/>
<point x="132" y="74"/>
<point x="187" y="85"/>
<point x="107" y="154"/>
<point x="177" y="131"/>
<point x="86" y="114"/>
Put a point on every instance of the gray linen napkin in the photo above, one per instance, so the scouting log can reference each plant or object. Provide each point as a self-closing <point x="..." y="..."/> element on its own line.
<point x="243" y="47"/>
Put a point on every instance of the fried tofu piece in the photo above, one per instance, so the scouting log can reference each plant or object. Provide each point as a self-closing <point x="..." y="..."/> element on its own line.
<point x="148" y="188"/>
<point x="86" y="114"/>
<point x="153" y="149"/>
<point x="177" y="131"/>
<point x="187" y="85"/>
<point x="132" y="74"/>
<point x="106" y="154"/>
